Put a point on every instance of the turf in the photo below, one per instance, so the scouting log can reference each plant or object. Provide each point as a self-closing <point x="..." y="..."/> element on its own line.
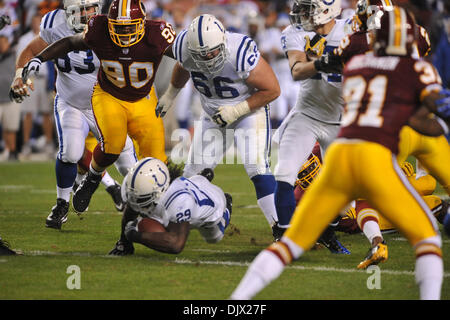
<point x="201" y="272"/>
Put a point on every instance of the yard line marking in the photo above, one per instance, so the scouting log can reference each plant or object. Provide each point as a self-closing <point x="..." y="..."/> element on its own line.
<point x="209" y="250"/>
<point x="15" y="186"/>
<point x="320" y="268"/>
<point x="226" y="263"/>
<point x="404" y="239"/>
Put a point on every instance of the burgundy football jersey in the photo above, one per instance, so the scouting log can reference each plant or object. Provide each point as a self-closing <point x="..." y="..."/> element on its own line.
<point x="352" y="45"/>
<point x="128" y="73"/>
<point x="381" y="93"/>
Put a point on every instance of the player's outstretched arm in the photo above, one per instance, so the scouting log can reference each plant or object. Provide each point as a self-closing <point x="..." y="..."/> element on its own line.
<point x="172" y="241"/>
<point x="301" y="68"/>
<point x="57" y="49"/>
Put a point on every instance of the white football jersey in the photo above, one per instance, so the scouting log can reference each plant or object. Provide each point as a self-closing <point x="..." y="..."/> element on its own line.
<point x="320" y="96"/>
<point x="227" y="87"/>
<point x="195" y="200"/>
<point x="77" y="71"/>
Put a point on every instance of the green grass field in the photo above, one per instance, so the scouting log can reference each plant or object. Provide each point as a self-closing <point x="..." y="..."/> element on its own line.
<point x="201" y="272"/>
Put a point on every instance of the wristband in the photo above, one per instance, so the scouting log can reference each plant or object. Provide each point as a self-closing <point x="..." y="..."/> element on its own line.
<point x="443" y="125"/>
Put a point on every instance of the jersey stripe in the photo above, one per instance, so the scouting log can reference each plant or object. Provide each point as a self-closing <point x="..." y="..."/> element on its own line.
<point x="239" y="51"/>
<point x="59" y="128"/>
<point x="53" y="18"/>
<point x="174" y="196"/>
<point x="46" y="17"/>
<point x="200" y="38"/>
<point x="245" y="53"/>
<point x="181" y="47"/>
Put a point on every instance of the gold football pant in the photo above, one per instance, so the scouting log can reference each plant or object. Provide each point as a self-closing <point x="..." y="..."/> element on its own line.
<point x="115" y="118"/>
<point x="433" y="154"/>
<point x="354" y="170"/>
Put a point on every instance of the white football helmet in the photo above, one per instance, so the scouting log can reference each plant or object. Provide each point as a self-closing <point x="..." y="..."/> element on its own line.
<point x="145" y="183"/>
<point x="207" y="43"/>
<point x="312" y="13"/>
<point x="77" y="15"/>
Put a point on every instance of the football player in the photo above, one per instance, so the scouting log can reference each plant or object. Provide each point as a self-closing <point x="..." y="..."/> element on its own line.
<point x="314" y="30"/>
<point x="74" y="118"/>
<point x="362" y="161"/>
<point x="123" y="100"/>
<point x="236" y="85"/>
<point x="182" y="205"/>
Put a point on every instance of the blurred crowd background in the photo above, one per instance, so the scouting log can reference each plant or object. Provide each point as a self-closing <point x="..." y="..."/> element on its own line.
<point x="263" y="20"/>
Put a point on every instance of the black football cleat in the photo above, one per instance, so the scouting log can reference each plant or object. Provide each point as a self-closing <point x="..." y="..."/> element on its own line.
<point x="208" y="173"/>
<point x="5" y="249"/>
<point x="229" y="204"/>
<point x="84" y="193"/>
<point x="58" y="216"/>
<point x="277" y="232"/>
<point x="329" y="240"/>
<point x="116" y="195"/>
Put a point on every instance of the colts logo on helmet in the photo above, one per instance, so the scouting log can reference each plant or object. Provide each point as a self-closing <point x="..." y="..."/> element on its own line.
<point x="156" y="179"/>
<point x="328" y="3"/>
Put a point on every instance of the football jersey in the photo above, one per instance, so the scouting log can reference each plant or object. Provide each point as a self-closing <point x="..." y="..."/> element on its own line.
<point x="77" y="70"/>
<point x="227" y="87"/>
<point x="128" y="73"/>
<point x="320" y="95"/>
<point x="381" y="93"/>
<point x="195" y="200"/>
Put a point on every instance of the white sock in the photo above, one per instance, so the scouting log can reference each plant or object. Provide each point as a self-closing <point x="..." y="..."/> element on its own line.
<point x="107" y="180"/>
<point x="267" y="205"/>
<point x="371" y="230"/>
<point x="63" y="193"/>
<point x="429" y="275"/>
<point x="93" y="171"/>
<point x="265" y="268"/>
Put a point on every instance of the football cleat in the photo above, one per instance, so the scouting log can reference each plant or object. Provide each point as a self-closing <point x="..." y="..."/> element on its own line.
<point x="116" y="195"/>
<point x="58" y="216"/>
<point x="446" y="223"/>
<point x="277" y="232"/>
<point x="208" y="174"/>
<point x="83" y="195"/>
<point x="229" y="199"/>
<point x="330" y="241"/>
<point x="5" y="248"/>
<point x="122" y="248"/>
<point x="377" y="254"/>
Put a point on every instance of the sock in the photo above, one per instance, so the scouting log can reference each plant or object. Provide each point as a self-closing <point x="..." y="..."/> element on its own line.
<point x="429" y="275"/>
<point x="94" y="172"/>
<point x="66" y="173"/>
<point x="265" y="185"/>
<point x="284" y="203"/>
<point x="107" y="180"/>
<point x="265" y="268"/>
<point x="371" y="229"/>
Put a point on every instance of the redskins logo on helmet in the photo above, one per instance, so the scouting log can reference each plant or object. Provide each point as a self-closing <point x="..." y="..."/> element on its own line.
<point x="308" y="172"/>
<point x="368" y="14"/>
<point x="126" y="19"/>
<point x="397" y="34"/>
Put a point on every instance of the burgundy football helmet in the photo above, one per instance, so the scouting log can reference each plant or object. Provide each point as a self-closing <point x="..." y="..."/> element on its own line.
<point x="368" y="14"/>
<point x="126" y="19"/>
<point x="397" y="34"/>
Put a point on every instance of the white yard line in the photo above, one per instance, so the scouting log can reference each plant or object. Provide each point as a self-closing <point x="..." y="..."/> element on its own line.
<point x="225" y="263"/>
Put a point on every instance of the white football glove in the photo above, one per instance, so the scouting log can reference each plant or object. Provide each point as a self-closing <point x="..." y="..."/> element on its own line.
<point x="31" y="67"/>
<point x="226" y="115"/>
<point x="166" y="101"/>
<point x="19" y="90"/>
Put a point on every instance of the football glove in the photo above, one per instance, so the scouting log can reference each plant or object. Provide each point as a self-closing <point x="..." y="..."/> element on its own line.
<point x="329" y="63"/>
<point x="166" y="101"/>
<point x="131" y="229"/>
<point x="19" y="88"/>
<point x="407" y="168"/>
<point x="315" y="46"/>
<point x="226" y="115"/>
<point x="13" y="96"/>
<point x="122" y="248"/>
<point x="32" y="66"/>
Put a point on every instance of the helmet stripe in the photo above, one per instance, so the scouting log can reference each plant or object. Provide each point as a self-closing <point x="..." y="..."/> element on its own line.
<point x="133" y="178"/>
<point x="200" y="39"/>
<point x="124" y="6"/>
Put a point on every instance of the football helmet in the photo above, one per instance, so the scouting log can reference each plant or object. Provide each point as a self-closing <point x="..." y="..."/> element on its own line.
<point x="312" y="13"/>
<point x="368" y="13"/>
<point x="207" y="44"/>
<point x="78" y="12"/>
<point x="145" y="183"/>
<point x="397" y="34"/>
<point x="126" y="22"/>
<point x="308" y="172"/>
